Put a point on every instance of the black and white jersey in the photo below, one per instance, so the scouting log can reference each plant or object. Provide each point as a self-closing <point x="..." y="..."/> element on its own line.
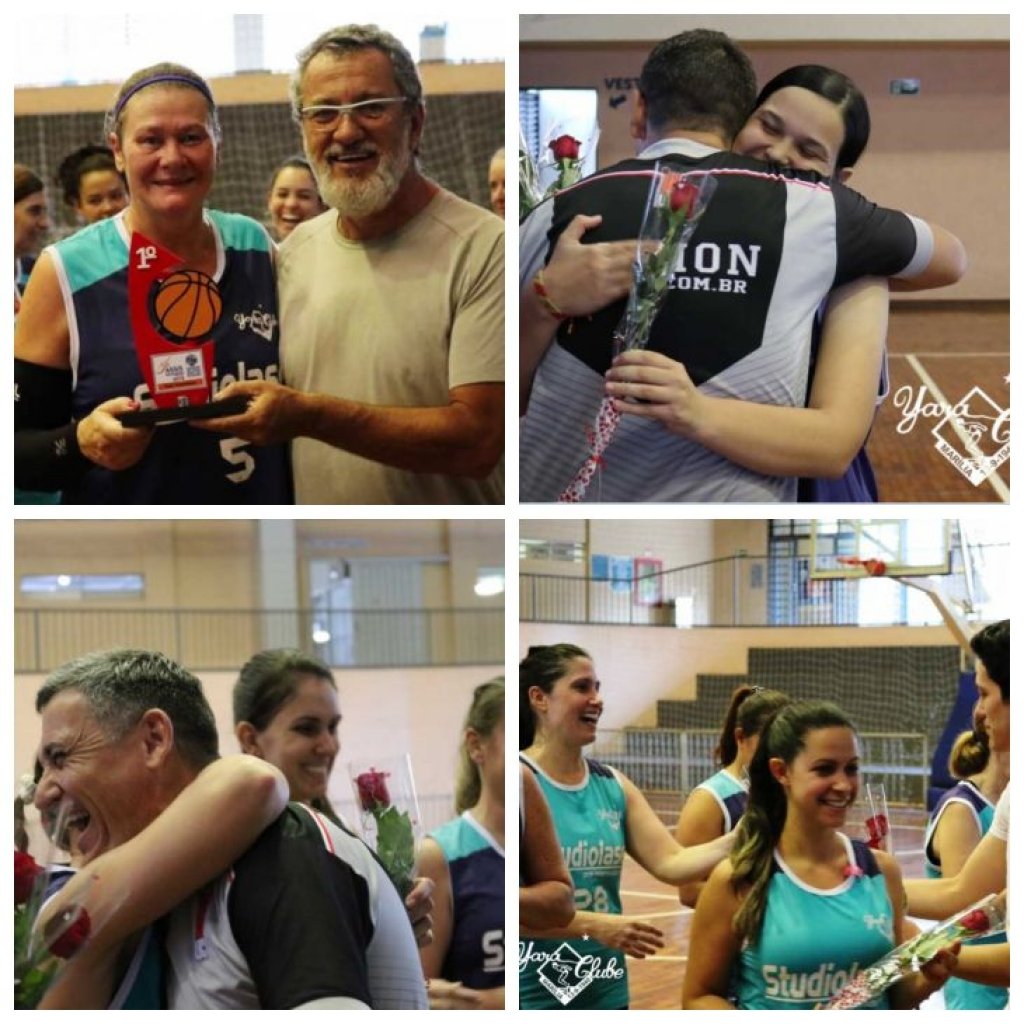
<point x="739" y="316"/>
<point x="307" y="913"/>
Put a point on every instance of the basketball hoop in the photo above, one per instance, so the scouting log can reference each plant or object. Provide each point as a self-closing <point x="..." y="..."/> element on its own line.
<point x="872" y="566"/>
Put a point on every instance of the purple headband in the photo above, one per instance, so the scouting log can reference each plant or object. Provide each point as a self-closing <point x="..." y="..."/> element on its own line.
<point x="166" y="76"/>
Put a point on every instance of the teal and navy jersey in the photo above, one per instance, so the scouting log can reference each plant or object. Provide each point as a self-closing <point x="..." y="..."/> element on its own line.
<point x="965" y="995"/>
<point x="730" y="794"/>
<point x="142" y="987"/>
<point x="182" y="464"/>
<point x="476" y="865"/>
<point x="814" y="941"/>
<point x="590" y="821"/>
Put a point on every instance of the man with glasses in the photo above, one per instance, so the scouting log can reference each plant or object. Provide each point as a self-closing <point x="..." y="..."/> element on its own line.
<point x="391" y="302"/>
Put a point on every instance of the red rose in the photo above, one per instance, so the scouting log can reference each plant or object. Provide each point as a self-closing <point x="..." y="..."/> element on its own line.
<point x="70" y="940"/>
<point x="683" y="197"/>
<point x="878" y="829"/>
<point x="975" y="921"/>
<point x="26" y="871"/>
<point x="565" y="147"/>
<point x="373" y="790"/>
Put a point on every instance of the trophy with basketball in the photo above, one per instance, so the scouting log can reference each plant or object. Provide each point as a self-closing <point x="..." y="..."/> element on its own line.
<point x="173" y="310"/>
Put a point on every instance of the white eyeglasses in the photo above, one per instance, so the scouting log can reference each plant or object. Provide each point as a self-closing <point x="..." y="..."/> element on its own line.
<point x="324" y="117"/>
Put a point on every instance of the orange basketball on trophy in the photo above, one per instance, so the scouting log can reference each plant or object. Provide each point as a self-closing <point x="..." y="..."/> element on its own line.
<point x="186" y="305"/>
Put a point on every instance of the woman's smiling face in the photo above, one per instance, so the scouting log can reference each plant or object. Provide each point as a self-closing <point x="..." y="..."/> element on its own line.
<point x="796" y="128"/>
<point x="167" y="149"/>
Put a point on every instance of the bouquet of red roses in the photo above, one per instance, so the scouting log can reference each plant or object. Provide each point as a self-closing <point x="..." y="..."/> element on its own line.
<point x="386" y="827"/>
<point x="986" y="917"/>
<point x="40" y="942"/>
<point x="675" y="202"/>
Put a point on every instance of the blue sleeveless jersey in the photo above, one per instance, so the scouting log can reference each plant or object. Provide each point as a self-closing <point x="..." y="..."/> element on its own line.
<point x="965" y="995"/>
<point x="182" y="464"/>
<point x="812" y="941"/>
<point x="581" y="974"/>
<point x="476" y="864"/>
<point x="730" y="794"/>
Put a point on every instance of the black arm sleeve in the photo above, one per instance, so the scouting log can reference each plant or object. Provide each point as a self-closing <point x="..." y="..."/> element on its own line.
<point x="870" y="240"/>
<point x="46" y="453"/>
<point x="301" y="916"/>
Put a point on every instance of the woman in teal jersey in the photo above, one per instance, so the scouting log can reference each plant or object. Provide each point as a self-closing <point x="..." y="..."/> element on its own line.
<point x="799" y="908"/>
<point x="599" y="816"/>
<point x="714" y="807"/>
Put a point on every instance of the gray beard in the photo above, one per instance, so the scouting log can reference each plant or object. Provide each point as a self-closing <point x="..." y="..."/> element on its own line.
<point x="362" y="197"/>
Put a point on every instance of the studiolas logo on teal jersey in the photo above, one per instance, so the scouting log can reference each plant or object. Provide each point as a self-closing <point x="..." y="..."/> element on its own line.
<point x="785" y="985"/>
<point x="565" y="973"/>
<point x="593" y="855"/>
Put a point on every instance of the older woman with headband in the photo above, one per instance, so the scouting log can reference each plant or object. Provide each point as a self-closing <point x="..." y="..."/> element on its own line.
<point x="76" y="367"/>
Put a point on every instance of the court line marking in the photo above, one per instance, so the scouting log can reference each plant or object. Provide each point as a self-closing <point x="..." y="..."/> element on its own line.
<point x="950" y="355"/>
<point x="673" y="959"/>
<point x="681" y="912"/>
<point x="651" y="895"/>
<point x="994" y="480"/>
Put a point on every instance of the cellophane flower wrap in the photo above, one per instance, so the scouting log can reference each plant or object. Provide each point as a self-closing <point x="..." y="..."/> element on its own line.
<point x="876" y="821"/>
<point x="530" y="192"/>
<point x="42" y="941"/>
<point x="389" y="815"/>
<point x="986" y="917"/>
<point x="675" y="203"/>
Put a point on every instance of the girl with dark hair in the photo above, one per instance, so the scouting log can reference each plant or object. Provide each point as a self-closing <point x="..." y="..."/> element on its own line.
<point x="92" y="186"/>
<point x="286" y="712"/>
<point x="799" y="908"/>
<point x="716" y="805"/>
<point x="465" y="858"/>
<point x="809" y="117"/>
<point x="31" y="223"/>
<point x="599" y="815"/>
<point x="293" y="197"/>
<point x="813" y="118"/>
<point x="960" y="819"/>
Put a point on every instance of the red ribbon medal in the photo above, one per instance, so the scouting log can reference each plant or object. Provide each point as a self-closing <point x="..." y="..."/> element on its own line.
<point x="173" y="311"/>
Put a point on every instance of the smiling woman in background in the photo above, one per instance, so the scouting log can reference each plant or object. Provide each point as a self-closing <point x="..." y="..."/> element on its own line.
<point x="93" y="187"/>
<point x="293" y="197"/>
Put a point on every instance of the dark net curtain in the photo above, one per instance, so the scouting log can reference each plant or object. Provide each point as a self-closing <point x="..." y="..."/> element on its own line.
<point x="461" y="134"/>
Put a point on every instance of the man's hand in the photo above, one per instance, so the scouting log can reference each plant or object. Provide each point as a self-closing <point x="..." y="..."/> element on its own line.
<point x="450" y="995"/>
<point x="418" y="905"/>
<point x="581" y="279"/>
<point x="661" y="386"/>
<point x="274" y="413"/>
<point x="103" y="439"/>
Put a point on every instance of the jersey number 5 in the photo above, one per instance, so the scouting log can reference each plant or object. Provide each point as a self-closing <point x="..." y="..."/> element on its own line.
<point x="493" y="944"/>
<point x="231" y="450"/>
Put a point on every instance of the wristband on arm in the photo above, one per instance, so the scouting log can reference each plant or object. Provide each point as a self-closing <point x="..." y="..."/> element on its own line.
<point x="46" y="452"/>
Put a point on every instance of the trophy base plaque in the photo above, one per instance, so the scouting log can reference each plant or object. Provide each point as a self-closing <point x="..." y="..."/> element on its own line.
<point x="233" y="406"/>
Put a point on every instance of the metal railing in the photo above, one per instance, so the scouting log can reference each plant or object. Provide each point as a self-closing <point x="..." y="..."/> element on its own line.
<point x="223" y="640"/>
<point x="740" y="590"/>
<point x="675" y="760"/>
